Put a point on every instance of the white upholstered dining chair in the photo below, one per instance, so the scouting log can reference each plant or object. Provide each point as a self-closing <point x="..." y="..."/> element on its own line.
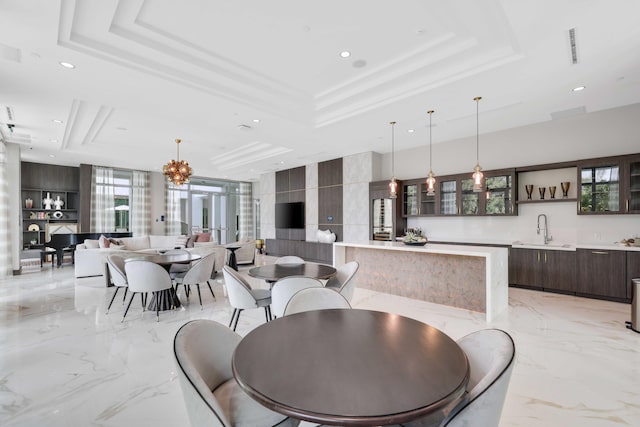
<point x="285" y="288"/>
<point x="115" y="265"/>
<point x="315" y="299"/>
<point x="344" y="280"/>
<point x="243" y="296"/>
<point x="146" y="276"/>
<point x="289" y="259"/>
<point x="491" y="354"/>
<point x="200" y="272"/>
<point x="203" y="351"/>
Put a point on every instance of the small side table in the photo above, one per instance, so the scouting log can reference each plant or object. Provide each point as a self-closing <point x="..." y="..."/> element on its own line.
<point x="233" y="262"/>
<point x="44" y="253"/>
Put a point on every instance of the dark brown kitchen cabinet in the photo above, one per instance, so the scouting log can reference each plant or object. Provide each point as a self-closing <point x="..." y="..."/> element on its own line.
<point x="602" y="274"/>
<point x="542" y="269"/>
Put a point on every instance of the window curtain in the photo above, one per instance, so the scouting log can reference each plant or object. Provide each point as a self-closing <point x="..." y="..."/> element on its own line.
<point x="103" y="218"/>
<point x="246" y="212"/>
<point x="174" y="219"/>
<point x="6" y="268"/>
<point x="140" y="206"/>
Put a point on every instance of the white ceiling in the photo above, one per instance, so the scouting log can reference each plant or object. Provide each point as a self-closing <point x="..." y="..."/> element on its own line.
<point x="150" y="71"/>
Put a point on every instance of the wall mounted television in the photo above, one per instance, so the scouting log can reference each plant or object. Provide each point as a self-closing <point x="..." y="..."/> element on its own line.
<point x="290" y="215"/>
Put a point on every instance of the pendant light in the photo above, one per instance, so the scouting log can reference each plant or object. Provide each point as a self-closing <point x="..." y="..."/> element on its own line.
<point x="178" y="171"/>
<point x="431" y="180"/>
<point x="393" y="184"/>
<point x="477" y="174"/>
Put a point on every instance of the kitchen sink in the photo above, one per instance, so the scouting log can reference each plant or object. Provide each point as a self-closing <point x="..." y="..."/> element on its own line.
<point x="542" y="245"/>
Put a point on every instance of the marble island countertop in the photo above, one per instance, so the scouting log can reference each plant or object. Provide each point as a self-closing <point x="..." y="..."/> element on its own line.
<point x="437" y="248"/>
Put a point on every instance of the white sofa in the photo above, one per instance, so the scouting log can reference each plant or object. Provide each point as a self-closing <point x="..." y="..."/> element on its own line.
<point x="90" y="261"/>
<point x="90" y="258"/>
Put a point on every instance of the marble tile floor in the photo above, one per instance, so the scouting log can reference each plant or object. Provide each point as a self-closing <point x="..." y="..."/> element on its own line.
<point x="64" y="362"/>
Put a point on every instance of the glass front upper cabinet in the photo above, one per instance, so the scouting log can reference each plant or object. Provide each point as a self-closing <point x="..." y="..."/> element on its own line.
<point x="600" y="188"/>
<point x="499" y="199"/>
<point x="633" y="196"/>
<point x="427" y="202"/>
<point x="448" y="201"/>
<point x="410" y="200"/>
<point x="470" y="199"/>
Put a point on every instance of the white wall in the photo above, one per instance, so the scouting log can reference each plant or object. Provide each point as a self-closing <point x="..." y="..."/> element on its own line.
<point x="158" y="205"/>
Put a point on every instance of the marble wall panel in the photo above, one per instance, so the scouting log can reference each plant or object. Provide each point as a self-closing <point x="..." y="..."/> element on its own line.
<point x="454" y="280"/>
<point x="357" y="168"/>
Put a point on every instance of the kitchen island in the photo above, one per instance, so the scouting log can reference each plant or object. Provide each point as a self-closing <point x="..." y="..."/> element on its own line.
<point x="470" y="277"/>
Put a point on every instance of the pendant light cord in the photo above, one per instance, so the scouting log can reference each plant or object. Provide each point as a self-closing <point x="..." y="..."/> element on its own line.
<point x="393" y="159"/>
<point x="477" y="99"/>
<point x="430" y="112"/>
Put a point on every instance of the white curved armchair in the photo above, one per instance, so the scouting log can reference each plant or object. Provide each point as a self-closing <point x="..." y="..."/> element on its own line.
<point x="242" y="296"/>
<point x="200" y="271"/>
<point x="115" y="264"/>
<point x="285" y="288"/>
<point x="491" y="354"/>
<point x="146" y="276"/>
<point x="203" y="351"/>
<point x="344" y="281"/>
<point x="315" y="299"/>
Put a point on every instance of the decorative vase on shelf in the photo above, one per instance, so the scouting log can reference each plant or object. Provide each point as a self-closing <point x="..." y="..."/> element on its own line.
<point x="565" y="189"/>
<point x="59" y="203"/>
<point x="48" y="201"/>
<point x="552" y="191"/>
<point x="542" y="190"/>
<point x="28" y="203"/>
<point x="529" y="189"/>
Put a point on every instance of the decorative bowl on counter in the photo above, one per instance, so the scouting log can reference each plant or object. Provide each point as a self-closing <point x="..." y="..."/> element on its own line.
<point x="415" y="243"/>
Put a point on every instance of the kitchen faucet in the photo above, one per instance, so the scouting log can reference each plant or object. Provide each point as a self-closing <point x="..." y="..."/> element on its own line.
<point x="547" y="238"/>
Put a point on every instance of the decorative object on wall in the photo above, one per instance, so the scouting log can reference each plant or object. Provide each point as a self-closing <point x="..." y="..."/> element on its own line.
<point x="542" y="190"/>
<point x="477" y="174"/>
<point x="393" y="184"/>
<point x="529" y="189"/>
<point x="552" y="191"/>
<point x="178" y="171"/>
<point x="58" y="203"/>
<point x="565" y="189"/>
<point x="48" y="201"/>
<point x="28" y="203"/>
<point x="431" y="180"/>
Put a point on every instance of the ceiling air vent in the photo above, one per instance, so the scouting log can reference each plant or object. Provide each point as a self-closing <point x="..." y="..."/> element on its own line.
<point x="9" y="115"/>
<point x="572" y="43"/>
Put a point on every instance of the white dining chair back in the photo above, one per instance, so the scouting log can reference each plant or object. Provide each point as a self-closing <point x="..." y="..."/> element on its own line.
<point x="491" y="354"/>
<point x="242" y="296"/>
<point x="115" y="266"/>
<point x="289" y="259"/>
<point x="200" y="272"/>
<point x="344" y="280"/>
<point x="315" y="299"/>
<point x="285" y="288"/>
<point x="203" y="350"/>
<point x="144" y="277"/>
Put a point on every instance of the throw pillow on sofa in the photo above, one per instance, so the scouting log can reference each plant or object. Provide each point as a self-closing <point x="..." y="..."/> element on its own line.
<point x="103" y="242"/>
<point x="203" y="237"/>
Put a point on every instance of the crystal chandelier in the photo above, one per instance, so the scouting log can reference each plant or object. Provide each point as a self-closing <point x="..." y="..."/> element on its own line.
<point x="177" y="171"/>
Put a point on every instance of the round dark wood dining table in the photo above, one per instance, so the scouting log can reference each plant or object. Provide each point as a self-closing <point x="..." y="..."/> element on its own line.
<point x="350" y="367"/>
<point x="275" y="272"/>
<point x="167" y="298"/>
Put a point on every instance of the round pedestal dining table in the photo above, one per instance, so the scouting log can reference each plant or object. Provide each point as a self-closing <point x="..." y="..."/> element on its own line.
<point x="274" y="272"/>
<point x="350" y="367"/>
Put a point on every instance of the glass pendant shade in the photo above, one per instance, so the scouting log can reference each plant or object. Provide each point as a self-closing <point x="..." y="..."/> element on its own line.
<point x="393" y="184"/>
<point x="477" y="174"/>
<point x="431" y="180"/>
<point x="178" y="171"/>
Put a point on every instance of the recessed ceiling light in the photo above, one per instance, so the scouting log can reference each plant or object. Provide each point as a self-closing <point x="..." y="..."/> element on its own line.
<point x="579" y="88"/>
<point x="256" y="120"/>
<point x="57" y="121"/>
<point x="121" y="128"/>
<point x="345" y="54"/>
<point x="67" y="65"/>
<point x="52" y="155"/>
<point x="53" y="140"/>
<point x="410" y="130"/>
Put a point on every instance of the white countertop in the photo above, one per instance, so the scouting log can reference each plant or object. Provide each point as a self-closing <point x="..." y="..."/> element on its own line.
<point x="465" y="250"/>
<point x="553" y="246"/>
